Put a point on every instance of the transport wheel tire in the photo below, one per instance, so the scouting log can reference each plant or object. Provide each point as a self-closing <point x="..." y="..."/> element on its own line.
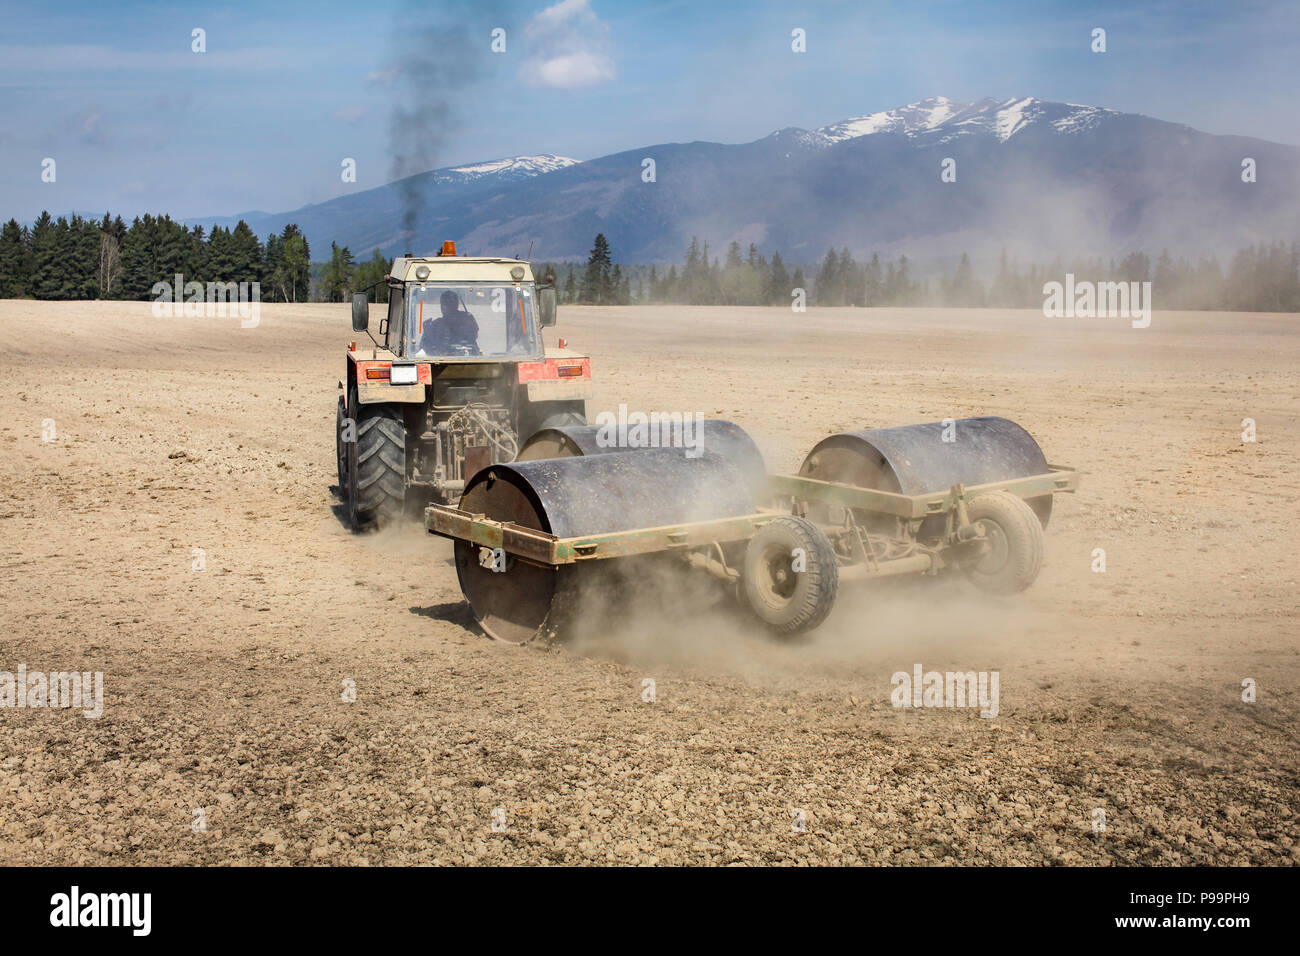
<point x="1014" y="538"/>
<point x="789" y="601"/>
<point x="340" y="449"/>
<point x="377" y="466"/>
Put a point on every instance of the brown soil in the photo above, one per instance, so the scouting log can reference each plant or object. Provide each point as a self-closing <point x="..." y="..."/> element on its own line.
<point x="1120" y="691"/>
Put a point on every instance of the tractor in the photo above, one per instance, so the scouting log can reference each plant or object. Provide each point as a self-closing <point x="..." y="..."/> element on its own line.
<point x="455" y="379"/>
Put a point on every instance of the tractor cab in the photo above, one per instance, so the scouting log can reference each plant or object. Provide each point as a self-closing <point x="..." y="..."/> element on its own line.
<point x="458" y="320"/>
<point x="456" y="378"/>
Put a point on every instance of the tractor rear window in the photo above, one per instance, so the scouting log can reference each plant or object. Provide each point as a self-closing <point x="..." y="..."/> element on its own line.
<point x="471" y="319"/>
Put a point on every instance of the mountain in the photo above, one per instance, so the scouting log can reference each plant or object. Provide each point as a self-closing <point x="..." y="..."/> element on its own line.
<point x="1035" y="178"/>
<point x="373" y="218"/>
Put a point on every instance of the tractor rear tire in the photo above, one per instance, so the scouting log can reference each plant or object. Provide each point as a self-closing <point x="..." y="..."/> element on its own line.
<point x="790" y="601"/>
<point x="562" y="420"/>
<point x="535" y="416"/>
<point x="377" y="466"/>
<point x="1014" y="543"/>
<point x="341" y="447"/>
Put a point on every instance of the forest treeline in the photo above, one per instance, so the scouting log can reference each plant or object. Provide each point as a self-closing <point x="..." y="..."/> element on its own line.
<point x="1263" y="277"/>
<point x="73" y="257"/>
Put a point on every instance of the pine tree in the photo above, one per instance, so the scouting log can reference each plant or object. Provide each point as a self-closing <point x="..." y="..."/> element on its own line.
<point x="44" y="272"/>
<point x="246" y="254"/>
<point x="873" y="291"/>
<point x="827" y="289"/>
<point x="370" y="276"/>
<point x="196" y="261"/>
<point x="707" y="283"/>
<point x="964" y="289"/>
<point x="136" y="267"/>
<point x="905" y="294"/>
<point x="671" y="286"/>
<point x="220" y="265"/>
<point x="849" y="291"/>
<point x="337" y="277"/>
<point x="15" y="278"/>
<point x="596" y="284"/>
<point x="778" y="283"/>
<point x="733" y="255"/>
<point x="690" y="278"/>
<point x="273" y="275"/>
<point x="616" y="286"/>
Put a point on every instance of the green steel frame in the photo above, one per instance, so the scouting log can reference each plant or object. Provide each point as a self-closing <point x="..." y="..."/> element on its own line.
<point x="547" y="549"/>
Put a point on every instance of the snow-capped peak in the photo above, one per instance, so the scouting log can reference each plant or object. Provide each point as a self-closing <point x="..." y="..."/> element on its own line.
<point x="940" y="119"/>
<point x="519" y="165"/>
<point x="915" y="117"/>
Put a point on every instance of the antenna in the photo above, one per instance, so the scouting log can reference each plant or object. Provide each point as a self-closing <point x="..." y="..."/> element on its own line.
<point x="530" y="250"/>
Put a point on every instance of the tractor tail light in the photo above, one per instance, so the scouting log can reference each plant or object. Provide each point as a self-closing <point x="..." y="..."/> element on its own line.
<point x="380" y="374"/>
<point x="569" y="371"/>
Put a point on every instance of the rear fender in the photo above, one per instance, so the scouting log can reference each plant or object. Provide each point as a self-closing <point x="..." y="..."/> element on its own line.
<point x="373" y="385"/>
<point x="562" y="376"/>
<point x="369" y="393"/>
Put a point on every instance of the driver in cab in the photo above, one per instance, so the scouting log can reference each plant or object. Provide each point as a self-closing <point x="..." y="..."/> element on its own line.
<point x="456" y="331"/>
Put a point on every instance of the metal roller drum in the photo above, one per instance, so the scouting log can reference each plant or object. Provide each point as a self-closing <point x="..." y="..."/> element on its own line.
<point x="576" y="496"/>
<point x="915" y="460"/>
<point x="716" y="436"/>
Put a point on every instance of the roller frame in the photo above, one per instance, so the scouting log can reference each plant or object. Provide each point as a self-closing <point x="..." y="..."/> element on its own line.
<point x="548" y="550"/>
<point x="1057" y="478"/>
<point x="545" y="549"/>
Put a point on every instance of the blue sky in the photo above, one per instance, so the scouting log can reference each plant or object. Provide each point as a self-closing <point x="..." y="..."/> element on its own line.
<point x="137" y="122"/>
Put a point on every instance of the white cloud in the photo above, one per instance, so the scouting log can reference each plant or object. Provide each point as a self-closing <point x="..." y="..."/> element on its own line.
<point x="567" y="47"/>
<point x="384" y="77"/>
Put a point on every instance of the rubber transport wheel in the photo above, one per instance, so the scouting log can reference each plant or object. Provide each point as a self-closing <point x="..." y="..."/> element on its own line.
<point x="790" y="601"/>
<point x="1014" y="537"/>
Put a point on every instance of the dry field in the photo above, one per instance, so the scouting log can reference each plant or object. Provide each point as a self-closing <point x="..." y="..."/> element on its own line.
<point x="1120" y="691"/>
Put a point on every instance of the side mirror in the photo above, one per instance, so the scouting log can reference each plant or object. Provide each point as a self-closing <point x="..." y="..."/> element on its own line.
<point x="546" y="306"/>
<point x="360" y="312"/>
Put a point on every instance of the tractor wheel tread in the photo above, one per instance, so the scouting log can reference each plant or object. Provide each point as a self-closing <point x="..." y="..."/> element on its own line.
<point x="380" y="465"/>
<point x="340" y="448"/>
